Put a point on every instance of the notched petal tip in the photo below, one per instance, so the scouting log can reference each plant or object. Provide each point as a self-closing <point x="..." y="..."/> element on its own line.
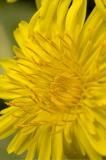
<point x="101" y="5"/>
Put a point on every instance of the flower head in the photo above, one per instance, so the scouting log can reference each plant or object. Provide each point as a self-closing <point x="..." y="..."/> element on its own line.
<point x="56" y="84"/>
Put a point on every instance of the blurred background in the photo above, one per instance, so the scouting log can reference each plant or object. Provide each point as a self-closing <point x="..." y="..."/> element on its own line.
<point x="10" y="15"/>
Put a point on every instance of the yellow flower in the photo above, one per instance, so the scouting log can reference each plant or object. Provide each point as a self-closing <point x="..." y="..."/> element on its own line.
<point x="56" y="84"/>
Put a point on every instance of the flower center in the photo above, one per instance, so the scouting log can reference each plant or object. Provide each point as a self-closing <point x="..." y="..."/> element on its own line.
<point x="65" y="91"/>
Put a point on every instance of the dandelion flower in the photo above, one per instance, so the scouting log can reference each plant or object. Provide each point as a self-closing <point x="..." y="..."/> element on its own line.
<point x="56" y="84"/>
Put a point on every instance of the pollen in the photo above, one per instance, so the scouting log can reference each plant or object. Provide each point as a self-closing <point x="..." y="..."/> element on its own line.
<point x="55" y="85"/>
<point x="65" y="90"/>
